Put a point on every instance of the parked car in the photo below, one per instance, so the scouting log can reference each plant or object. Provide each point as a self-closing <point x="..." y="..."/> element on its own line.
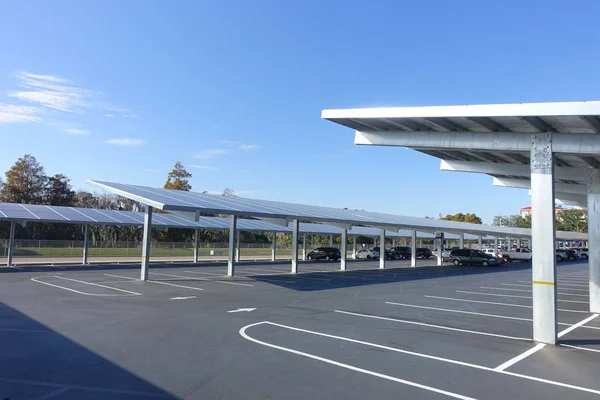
<point x="389" y="254"/>
<point x="325" y="253"/>
<point x="367" y="254"/>
<point x="561" y="255"/>
<point x="491" y="252"/>
<point x="516" y="254"/>
<point x="423" y="253"/>
<point x="475" y="257"/>
<point x="403" y="252"/>
<point x="583" y="252"/>
<point x="572" y="255"/>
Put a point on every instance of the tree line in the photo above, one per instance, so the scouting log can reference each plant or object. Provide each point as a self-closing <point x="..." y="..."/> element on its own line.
<point x="569" y="220"/>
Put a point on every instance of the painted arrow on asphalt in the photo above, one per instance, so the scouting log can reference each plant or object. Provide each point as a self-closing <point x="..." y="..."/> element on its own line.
<point x="242" y="310"/>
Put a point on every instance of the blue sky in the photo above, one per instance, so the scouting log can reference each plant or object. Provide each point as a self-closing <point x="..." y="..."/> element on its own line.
<point x="120" y="90"/>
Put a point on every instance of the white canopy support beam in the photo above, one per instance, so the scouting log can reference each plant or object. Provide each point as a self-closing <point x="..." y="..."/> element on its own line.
<point x="495" y="245"/>
<point x="232" y="245"/>
<point x="479" y="243"/>
<point x="572" y="188"/>
<point x="354" y="247"/>
<point x="273" y="245"/>
<point x="196" y="240"/>
<point x="594" y="238"/>
<point x="146" y="242"/>
<point x="343" y="249"/>
<point x="413" y="249"/>
<point x="237" y="246"/>
<point x="304" y="247"/>
<point x="85" y="244"/>
<point x="543" y="236"/>
<point x="11" y="244"/>
<point x="571" y="143"/>
<point x="330" y="240"/>
<point x="295" y="230"/>
<point x="382" y="249"/>
<point x="461" y="241"/>
<point x="562" y="173"/>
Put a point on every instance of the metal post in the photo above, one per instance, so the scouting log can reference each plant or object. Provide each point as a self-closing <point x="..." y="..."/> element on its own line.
<point x="330" y="240"/>
<point x="232" y="246"/>
<point x="196" y="239"/>
<point x="543" y="236"/>
<point x="237" y="246"/>
<point x="343" y="249"/>
<point x="354" y="247"/>
<point x="439" y="257"/>
<point x="413" y="249"/>
<point x="495" y="245"/>
<point x="295" y="229"/>
<point x="394" y="242"/>
<point x="273" y="246"/>
<point x="480" y="242"/>
<point x="382" y="249"/>
<point x="146" y="243"/>
<point x="11" y="243"/>
<point x="85" y="245"/>
<point x="461" y="241"/>
<point x="304" y="247"/>
<point x="593" y="202"/>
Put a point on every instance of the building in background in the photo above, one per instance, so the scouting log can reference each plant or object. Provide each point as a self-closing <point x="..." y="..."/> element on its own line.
<point x="526" y="211"/>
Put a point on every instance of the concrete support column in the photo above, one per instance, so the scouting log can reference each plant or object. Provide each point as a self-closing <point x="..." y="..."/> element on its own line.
<point x="196" y="240"/>
<point x="330" y="240"/>
<point x="519" y="243"/>
<point x="543" y="236"/>
<point x="413" y="249"/>
<point x="304" y="247"/>
<point x="394" y="242"/>
<point x="354" y="247"/>
<point x="375" y="241"/>
<point x="295" y="230"/>
<point x="495" y="245"/>
<point x="85" y="245"/>
<point x="11" y="244"/>
<point x="480" y="242"/>
<point x="461" y="241"/>
<point x="593" y="201"/>
<point x="344" y="249"/>
<point x="237" y="246"/>
<point x="420" y="243"/>
<point x="146" y="243"/>
<point x="274" y="246"/>
<point x="232" y="245"/>
<point x="439" y="257"/>
<point x="382" y="249"/>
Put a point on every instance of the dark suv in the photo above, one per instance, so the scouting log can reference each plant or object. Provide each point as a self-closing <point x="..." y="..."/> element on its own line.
<point x="423" y="253"/>
<point x="402" y="252"/>
<point x="389" y="254"/>
<point x="476" y="257"/>
<point x="325" y="253"/>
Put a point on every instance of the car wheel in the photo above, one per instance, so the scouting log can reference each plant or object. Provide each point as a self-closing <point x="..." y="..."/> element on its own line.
<point x="571" y="258"/>
<point x="310" y="258"/>
<point x="456" y="262"/>
<point x="368" y="256"/>
<point x="559" y="258"/>
<point x="327" y="258"/>
<point x="506" y="259"/>
<point x="485" y="263"/>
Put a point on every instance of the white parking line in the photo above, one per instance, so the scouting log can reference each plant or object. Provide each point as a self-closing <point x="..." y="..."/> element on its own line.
<point x="37" y="279"/>
<point x="499" y="304"/>
<point x="577" y="325"/>
<point x="519" y="297"/>
<point x="246" y="277"/>
<point x="243" y="333"/>
<point x="339" y="364"/>
<point x="202" y="279"/>
<point x="530" y="285"/>
<point x="96" y="284"/>
<point x="520" y="357"/>
<point x="580" y="348"/>
<point x="530" y="291"/>
<point x="432" y="326"/>
<point x="157" y="282"/>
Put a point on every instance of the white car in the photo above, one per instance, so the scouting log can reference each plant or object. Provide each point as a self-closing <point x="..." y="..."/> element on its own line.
<point x="367" y="254"/>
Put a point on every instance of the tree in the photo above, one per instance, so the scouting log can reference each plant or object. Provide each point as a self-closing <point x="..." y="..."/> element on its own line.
<point x="228" y="192"/>
<point x="572" y="220"/>
<point x="25" y="182"/>
<point x="178" y="178"/>
<point x="460" y="217"/>
<point x="60" y="192"/>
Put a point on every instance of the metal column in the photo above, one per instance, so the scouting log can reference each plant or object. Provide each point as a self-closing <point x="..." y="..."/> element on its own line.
<point x="413" y="249"/>
<point x="232" y="243"/>
<point x="330" y="240"/>
<point x="382" y="249"/>
<point x="543" y="266"/>
<point x="343" y="250"/>
<point x="495" y="245"/>
<point x="85" y="245"/>
<point x="274" y="246"/>
<point x="196" y="239"/>
<point x="146" y="243"/>
<point x="237" y="246"/>
<point x="354" y="247"/>
<point x="439" y="257"/>
<point x="11" y="244"/>
<point x="295" y="229"/>
<point x="304" y="247"/>
<point x="480" y="242"/>
<point x="461" y="241"/>
<point x="593" y="203"/>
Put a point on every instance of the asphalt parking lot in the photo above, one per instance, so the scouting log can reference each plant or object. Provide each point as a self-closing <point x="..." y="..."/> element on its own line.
<point x="430" y="332"/>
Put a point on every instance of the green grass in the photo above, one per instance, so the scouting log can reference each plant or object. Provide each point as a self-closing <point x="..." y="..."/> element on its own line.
<point x="134" y="252"/>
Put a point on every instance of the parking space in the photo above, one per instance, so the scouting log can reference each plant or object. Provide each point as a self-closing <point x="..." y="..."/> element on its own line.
<point x="190" y="332"/>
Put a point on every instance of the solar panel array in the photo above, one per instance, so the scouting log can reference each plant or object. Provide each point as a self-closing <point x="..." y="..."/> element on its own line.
<point x="189" y="201"/>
